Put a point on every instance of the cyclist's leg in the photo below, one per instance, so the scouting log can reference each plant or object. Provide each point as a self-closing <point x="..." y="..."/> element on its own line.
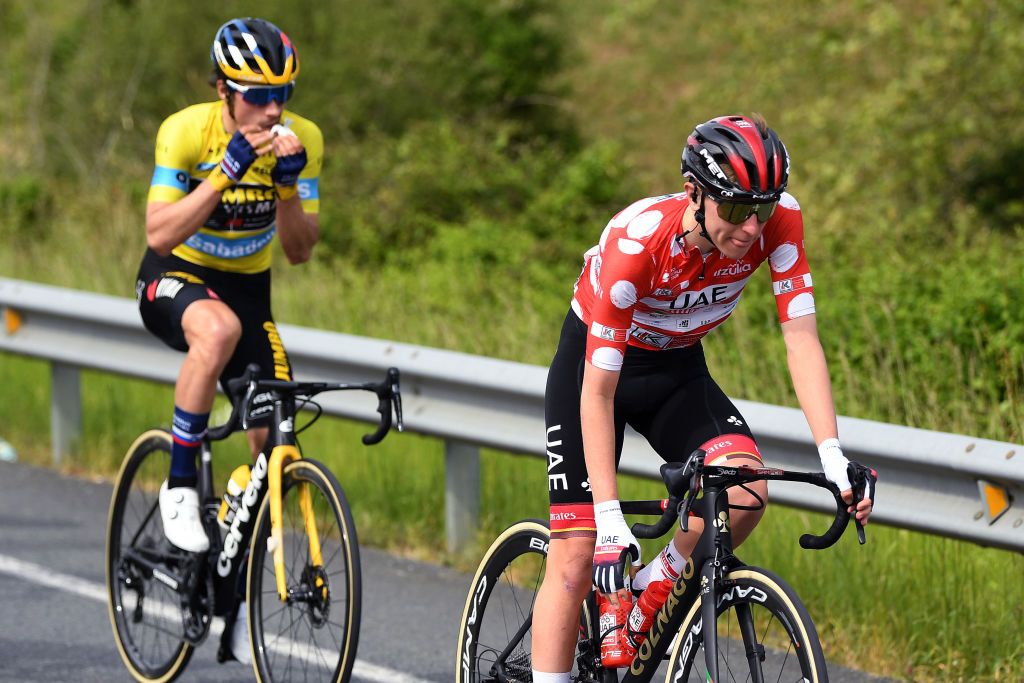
<point x="181" y="310"/>
<point x="260" y="343"/>
<point x="700" y="415"/>
<point x="556" y="621"/>
<point x="567" y="574"/>
<point x="211" y="331"/>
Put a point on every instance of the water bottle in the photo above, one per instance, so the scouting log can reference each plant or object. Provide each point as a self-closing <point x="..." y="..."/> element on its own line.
<point x="642" y="616"/>
<point x="233" y="495"/>
<point x="612" y="622"/>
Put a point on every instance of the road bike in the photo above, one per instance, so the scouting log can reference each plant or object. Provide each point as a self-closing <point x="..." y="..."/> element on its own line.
<point x="762" y="630"/>
<point x="290" y="551"/>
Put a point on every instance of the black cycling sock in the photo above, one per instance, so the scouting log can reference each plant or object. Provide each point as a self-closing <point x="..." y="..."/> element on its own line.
<point x="174" y="482"/>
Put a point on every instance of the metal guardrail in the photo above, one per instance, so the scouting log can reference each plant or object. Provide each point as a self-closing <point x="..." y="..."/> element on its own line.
<point x="935" y="482"/>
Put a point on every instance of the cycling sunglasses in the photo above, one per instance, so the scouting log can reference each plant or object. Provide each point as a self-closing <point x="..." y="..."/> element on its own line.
<point x="737" y="212"/>
<point x="262" y="95"/>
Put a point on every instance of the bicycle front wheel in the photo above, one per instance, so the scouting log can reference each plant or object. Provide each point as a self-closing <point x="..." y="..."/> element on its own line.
<point x="312" y="635"/>
<point x="495" y="634"/>
<point x="144" y="612"/>
<point x="764" y="634"/>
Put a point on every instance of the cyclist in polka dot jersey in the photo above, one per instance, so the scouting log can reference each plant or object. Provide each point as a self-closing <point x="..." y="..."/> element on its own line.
<point x="663" y="296"/>
<point x="666" y="271"/>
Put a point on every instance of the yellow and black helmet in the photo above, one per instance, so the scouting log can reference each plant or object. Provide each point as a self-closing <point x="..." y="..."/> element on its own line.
<point x="254" y="51"/>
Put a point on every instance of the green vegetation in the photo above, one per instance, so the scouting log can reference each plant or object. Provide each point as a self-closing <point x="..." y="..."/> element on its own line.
<point x="487" y="144"/>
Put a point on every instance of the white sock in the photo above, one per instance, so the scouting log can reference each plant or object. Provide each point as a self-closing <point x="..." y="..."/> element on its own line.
<point x="541" y="677"/>
<point x="666" y="565"/>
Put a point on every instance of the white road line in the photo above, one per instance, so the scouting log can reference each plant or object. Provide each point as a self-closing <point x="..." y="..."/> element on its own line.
<point x="44" y="576"/>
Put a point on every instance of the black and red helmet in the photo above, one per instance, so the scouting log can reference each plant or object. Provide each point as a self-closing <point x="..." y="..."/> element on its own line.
<point x="737" y="159"/>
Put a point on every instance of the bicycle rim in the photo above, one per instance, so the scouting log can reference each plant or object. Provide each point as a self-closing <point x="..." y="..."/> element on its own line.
<point x="500" y="601"/>
<point x="313" y="635"/>
<point x="779" y="634"/>
<point x="145" y="614"/>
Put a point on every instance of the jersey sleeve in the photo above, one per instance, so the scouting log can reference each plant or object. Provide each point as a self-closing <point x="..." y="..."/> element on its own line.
<point x="621" y="273"/>
<point x="178" y="146"/>
<point x="791" y="274"/>
<point x="309" y="179"/>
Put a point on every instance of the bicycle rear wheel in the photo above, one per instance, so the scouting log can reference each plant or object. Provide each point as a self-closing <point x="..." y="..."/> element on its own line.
<point x="499" y="609"/>
<point x="764" y="634"/>
<point x="313" y="635"/>
<point x="144" y="612"/>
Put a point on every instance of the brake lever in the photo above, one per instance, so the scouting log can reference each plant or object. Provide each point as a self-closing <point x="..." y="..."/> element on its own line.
<point x="859" y="478"/>
<point x="396" y="397"/>
<point x="250" y="393"/>
<point x="684" y="513"/>
<point x="691" y="495"/>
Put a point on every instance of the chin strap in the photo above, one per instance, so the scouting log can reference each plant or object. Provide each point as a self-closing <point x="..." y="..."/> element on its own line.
<point x="698" y="215"/>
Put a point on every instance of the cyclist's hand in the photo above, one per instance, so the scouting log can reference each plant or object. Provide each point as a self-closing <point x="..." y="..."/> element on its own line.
<point x="244" y="147"/>
<point x="614" y="543"/>
<point x="833" y="464"/>
<point x="291" y="157"/>
<point x="864" y="480"/>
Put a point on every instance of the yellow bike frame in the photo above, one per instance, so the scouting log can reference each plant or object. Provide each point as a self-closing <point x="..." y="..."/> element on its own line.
<point x="279" y="457"/>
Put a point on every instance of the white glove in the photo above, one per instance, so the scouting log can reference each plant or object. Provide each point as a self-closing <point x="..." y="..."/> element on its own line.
<point x="613" y="538"/>
<point x="834" y="463"/>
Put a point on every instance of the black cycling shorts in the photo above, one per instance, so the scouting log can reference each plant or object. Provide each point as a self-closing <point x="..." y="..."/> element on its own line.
<point x="668" y="396"/>
<point x="165" y="287"/>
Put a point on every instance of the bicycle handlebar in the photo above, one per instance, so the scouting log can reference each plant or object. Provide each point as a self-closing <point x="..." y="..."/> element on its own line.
<point x="683" y="481"/>
<point x="243" y="388"/>
<point x="388" y="396"/>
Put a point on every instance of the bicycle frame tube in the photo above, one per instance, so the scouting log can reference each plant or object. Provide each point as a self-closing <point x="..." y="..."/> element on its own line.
<point x="283" y="452"/>
<point x="711" y="557"/>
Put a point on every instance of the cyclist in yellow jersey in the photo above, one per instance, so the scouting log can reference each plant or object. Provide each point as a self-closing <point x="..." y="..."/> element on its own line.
<point x="229" y="176"/>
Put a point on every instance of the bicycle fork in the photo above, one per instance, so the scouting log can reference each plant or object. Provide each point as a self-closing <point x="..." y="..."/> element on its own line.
<point x="279" y="457"/>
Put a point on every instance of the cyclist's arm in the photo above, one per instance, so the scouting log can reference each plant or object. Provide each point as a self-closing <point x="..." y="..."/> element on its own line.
<point x="168" y="224"/>
<point x="173" y="214"/>
<point x="297" y="230"/>
<point x="597" y="418"/>
<point x="298" y="224"/>
<point x="809" y="370"/>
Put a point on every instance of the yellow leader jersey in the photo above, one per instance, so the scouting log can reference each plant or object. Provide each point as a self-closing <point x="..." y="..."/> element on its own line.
<point x="236" y="237"/>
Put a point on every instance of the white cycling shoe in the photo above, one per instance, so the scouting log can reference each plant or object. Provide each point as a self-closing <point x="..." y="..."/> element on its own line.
<point x="179" y="511"/>
<point x="240" y="637"/>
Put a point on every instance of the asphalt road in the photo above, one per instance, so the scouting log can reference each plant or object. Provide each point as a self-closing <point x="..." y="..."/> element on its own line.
<point x="53" y="618"/>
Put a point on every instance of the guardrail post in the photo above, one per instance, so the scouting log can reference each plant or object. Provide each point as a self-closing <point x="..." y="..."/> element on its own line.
<point x="461" y="493"/>
<point x="65" y="410"/>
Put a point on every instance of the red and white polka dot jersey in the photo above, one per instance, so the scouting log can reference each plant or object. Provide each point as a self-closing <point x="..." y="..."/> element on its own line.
<point x="641" y="286"/>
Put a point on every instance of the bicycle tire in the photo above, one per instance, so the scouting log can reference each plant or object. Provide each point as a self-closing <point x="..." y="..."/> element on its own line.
<point x="276" y="656"/>
<point x="149" y="647"/>
<point x="506" y="576"/>
<point x="788" y="645"/>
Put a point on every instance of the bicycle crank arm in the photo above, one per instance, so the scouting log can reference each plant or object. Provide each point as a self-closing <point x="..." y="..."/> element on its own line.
<point x="158" y="571"/>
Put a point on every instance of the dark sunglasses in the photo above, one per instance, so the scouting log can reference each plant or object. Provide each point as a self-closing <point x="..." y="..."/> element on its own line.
<point x="736" y="212"/>
<point x="262" y="95"/>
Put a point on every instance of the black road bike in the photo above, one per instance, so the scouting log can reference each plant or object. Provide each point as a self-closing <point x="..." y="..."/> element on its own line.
<point x="290" y="552"/>
<point x="762" y="630"/>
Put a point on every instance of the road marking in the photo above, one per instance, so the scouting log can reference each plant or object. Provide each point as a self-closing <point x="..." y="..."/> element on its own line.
<point x="44" y="576"/>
